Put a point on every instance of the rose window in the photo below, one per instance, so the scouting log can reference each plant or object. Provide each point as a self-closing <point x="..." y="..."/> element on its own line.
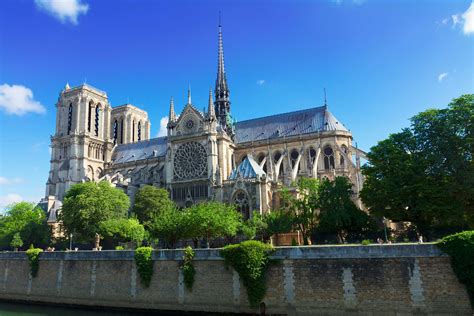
<point x="190" y="161"/>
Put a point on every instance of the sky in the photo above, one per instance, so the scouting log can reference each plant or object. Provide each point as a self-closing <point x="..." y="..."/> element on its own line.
<point x="381" y="62"/>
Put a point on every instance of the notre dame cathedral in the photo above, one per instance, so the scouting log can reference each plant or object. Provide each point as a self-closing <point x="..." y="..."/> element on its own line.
<point x="205" y="156"/>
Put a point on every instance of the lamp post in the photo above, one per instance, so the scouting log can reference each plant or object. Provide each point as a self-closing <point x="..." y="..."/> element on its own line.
<point x="70" y="241"/>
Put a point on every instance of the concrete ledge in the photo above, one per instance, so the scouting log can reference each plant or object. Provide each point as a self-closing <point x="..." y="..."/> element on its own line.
<point x="295" y="253"/>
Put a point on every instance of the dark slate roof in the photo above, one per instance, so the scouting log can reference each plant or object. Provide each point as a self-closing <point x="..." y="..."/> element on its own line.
<point x="287" y="124"/>
<point x="247" y="169"/>
<point x="154" y="147"/>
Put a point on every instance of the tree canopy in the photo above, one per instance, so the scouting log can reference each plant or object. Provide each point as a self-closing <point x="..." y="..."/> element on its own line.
<point x="425" y="173"/>
<point x="86" y="205"/>
<point x="150" y="202"/>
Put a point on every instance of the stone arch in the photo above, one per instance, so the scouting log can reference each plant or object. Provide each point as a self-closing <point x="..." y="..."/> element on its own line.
<point x="90" y="174"/>
<point x="328" y="158"/>
<point x="241" y="200"/>
<point x="260" y="158"/>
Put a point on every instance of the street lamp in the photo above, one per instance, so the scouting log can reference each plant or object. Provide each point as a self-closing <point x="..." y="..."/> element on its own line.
<point x="70" y="241"/>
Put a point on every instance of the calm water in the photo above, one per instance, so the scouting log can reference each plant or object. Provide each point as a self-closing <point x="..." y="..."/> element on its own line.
<point x="16" y="309"/>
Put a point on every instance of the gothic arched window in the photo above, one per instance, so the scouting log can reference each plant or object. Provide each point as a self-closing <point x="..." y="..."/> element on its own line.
<point x="69" y="119"/>
<point x="241" y="202"/>
<point x="115" y="131"/>
<point x="341" y="158"/>
<point x="121" y="131"/>
<point x="133" y="131"/>
<point x="328" y="158"/>
<point x="139" y="131"/>
<point x="89" y="116"/>
<point x="311" y="156"/>
<point x="97" y="113"/>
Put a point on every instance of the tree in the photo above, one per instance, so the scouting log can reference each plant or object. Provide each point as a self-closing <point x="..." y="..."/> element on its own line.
<point x="122" y="230"/>
<point x="255" y="227"/>
<point x="16" y="241"/>
<point x="150" y="202"/>
<point x="425" y="174"/>
<point x="171" y="225"/>
<point x="337" y="212"/>
<point x="26" y="219"/>
<point x="303" y="204"/>
<point x="86" y="205"/>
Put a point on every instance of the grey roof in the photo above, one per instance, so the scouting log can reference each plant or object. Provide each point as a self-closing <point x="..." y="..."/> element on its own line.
<point x="312" y="120"/>
<point x="247" y="169"/>
<point x="155" y="147"/>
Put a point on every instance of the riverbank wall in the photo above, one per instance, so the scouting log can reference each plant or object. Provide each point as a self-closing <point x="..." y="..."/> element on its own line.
<point x="314" y="280"/>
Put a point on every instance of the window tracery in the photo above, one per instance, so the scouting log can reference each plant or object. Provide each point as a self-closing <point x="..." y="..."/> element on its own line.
<point x="328" y="158"/>
<point x="190" y="161"/>
<point x="69" y="119"/>
<point x="241" y="202"/>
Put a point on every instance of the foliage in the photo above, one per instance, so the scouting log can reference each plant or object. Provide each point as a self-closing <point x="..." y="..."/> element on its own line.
<point x="150" y="202"/>
<point x="279" y="222"/>
<point x="255" y="227"/>
<point x="250" y="259"/>
<point x="425" y="173"/>
<point x="33" y="257"/>
<point x="460" y="247"/>
<point x="171" y="226"/>
<point x="86" y="205"/>
<point x="16" y="241"/>
<point x="338" y="213"/>
<point x="119" y="248"/>
<point x="122" y="229"/>
<point x="25" y="219"/>
<point x="188" y="267"/>
<point x="366" y="242"/>
<point x="144" y="263"/>
<point x="303" y="204"/>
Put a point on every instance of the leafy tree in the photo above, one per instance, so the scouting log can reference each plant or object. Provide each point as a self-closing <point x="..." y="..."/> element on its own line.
<point x="170" y="225"/>
<point x="16" y="241"/>
<point x="150" y="202"/>
<point x="26" y="219"/>
<point x="279" y="222"/>
<point x="86" y="205"/>
<point x="338" y="213"/>
<point x="425" y="174"/>
<point x="255" y="227"/>
<point x="122" y="229"/>
<point x="303" y="204"/>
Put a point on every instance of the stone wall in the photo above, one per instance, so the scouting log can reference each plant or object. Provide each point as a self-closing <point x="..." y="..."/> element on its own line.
<point x="377" y="279"/>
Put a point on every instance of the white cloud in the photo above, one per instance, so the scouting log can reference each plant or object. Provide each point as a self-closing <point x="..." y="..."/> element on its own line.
<point x="64" y="10"/>
<point x="466" y="20"/>
<point x="6" y="181"/>
<point x="18" y="100"/>
<point x="8" y="199"/>
<point x="261" y="82"/>
<point x="442" y="76"/>
<point x="163" y="130"/>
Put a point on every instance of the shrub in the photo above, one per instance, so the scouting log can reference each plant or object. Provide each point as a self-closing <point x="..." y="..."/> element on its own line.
<point x="250" y="259"/>
<point x="460" y="247"/>
<point x="188" y="268"/>
<point x="33" y="257"/>
<point x="366" y="242"/>
<point x="119" y="248"/>
<point x="144" y="262"/>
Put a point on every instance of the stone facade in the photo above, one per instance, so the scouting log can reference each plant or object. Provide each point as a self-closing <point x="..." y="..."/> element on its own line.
<point x="356" y="280"/>
<point x="206" y="155"/>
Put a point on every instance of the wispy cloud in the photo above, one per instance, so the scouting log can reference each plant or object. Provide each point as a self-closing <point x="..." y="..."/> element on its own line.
<point x="64" y="10"/>
<point x="163" y="130"/>
<point x="8" y="199"/>
<point x="442" y="76"/>
<point x="261" y="82"/>
<point x="464" y="20"/>
<point x="18" y="100"/>
<point x="7" y="181"/>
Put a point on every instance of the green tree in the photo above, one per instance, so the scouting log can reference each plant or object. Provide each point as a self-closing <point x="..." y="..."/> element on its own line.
<point x="255" y="227"/>
<point x="150" y="202"/>
<point x="303" y="204"/>
<point x="170" y="225"/>
<point x="86" y="205"/>
<point x="337" y="212"/>
<point x="16" y="241"/>
<point x="26" y="219"/>
<point x="122" y="230"/>
<point x="425" y="174"/>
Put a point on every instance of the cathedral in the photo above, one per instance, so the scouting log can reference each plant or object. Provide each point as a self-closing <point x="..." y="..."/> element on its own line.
<point x="206" y="155"/>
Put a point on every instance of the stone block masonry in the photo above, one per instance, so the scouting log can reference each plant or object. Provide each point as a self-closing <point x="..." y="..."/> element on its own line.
<point x="315" y="280"/>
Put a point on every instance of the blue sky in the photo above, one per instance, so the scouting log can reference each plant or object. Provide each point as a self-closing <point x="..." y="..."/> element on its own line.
<point x="381" y="62"/>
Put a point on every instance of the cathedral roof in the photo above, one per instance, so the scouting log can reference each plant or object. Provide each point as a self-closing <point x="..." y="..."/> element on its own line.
<point x="146" y="149"/>
<point x="247" y="169"/>
<point x="312" y="120"/>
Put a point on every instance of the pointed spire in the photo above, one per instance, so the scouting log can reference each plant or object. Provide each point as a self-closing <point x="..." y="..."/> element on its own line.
<point x="211" y="111"/>
<point x="172" y="115"/>
<point x="221" y="82"/>
<point x="325" y="99"/>
<point x="67" y="87"/>
<point x="189" y="94"/>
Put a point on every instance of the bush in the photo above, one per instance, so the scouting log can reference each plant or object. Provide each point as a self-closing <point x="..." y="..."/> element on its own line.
<point x="144" y="262"/>
<point x="119" y="248"/>
<point x="460" y="247"/>
<point x="250" y="259"/>
<point x="188" y="268"/>
<point x="366" y="242"/>
<point x="33" y="257"/>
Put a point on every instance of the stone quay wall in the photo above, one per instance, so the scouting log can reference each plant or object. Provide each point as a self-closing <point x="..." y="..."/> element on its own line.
<point x="313" y="280"/>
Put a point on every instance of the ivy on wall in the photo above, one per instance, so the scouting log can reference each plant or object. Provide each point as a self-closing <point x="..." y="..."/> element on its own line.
<point x="460" y="247"/>
<point x="188" y="268"/>
<point x="33" y="258"/>
<point x="250" y="259"/>
<point x="144" y="263"/>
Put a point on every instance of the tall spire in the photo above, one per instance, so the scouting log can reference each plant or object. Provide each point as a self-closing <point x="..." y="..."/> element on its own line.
<point x="172" y="115"/>
<point x="189" y="94"/>
<point x="210" y="109"/>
